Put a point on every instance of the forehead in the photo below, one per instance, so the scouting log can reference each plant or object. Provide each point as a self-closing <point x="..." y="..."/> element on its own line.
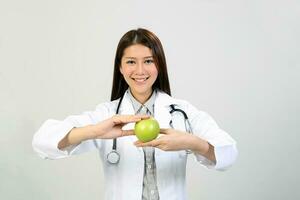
<point x="137" y="51"/>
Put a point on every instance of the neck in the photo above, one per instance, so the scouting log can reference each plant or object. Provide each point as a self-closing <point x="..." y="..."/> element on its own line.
<point x="141" y="97"/>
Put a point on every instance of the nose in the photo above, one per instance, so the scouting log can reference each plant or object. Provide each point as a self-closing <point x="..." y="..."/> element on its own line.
<point x="140" y="68"/>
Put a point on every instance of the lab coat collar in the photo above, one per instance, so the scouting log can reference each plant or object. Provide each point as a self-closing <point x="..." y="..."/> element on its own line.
<point x="161" y="108"/>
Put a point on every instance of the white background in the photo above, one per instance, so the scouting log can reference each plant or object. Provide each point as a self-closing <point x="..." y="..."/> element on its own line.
<point x="237" y="60"/>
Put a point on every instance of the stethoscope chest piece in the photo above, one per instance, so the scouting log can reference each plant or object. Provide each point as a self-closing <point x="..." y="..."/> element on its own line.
<point x="113" y="157"/>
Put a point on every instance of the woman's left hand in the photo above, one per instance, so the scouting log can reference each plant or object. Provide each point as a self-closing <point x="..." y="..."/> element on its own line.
<point x="171" y="140"/>
<point x="175" y="140"/>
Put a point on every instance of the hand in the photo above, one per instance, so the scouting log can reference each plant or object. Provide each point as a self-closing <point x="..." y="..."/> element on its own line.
<point x="175" y="140"/>
<point x="112" y="128"/>
<point x="171" y="140"/>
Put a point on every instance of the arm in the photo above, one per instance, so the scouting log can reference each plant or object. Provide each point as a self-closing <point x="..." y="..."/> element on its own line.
<point x="202" y="147"/>
<point x="76" y="136"/>
<point x="174" y="140"/>
<point x="223" y="145"/>
<point x="212" y="146"/>
<point x="46" y="141"/>
<point x="107" y="129"/>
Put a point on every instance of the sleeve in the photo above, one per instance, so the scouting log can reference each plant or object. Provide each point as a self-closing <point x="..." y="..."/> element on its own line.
<point x="225" y="149"/>
<point x="46" y="139"/>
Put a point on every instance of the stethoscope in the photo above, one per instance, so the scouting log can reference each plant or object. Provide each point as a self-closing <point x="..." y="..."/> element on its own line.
<point x="113" y="156"/>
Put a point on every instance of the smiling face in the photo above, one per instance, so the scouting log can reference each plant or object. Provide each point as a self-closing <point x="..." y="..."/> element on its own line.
<point x="139" y="71"/>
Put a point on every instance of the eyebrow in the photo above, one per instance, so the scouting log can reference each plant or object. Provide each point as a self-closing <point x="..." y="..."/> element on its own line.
<point x="135" y="57"/>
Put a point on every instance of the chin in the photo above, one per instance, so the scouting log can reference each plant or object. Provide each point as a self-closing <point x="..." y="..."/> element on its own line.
<point x="141" y="91"/>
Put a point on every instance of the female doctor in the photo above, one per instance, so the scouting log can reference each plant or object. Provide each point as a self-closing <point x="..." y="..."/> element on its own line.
<point x="135" y="170"/>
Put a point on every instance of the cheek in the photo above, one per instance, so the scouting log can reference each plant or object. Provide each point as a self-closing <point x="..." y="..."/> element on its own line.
<point x="154" y="71"/>
<point x="125" y="71"/>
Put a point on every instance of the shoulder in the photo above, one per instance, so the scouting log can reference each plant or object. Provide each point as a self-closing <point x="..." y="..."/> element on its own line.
<point x="169" y="100"/>
<point x="191" y="110"/>
<point x="166" y="100"/>
<point x="108" y="106"/>
<point x="102" y="111"/>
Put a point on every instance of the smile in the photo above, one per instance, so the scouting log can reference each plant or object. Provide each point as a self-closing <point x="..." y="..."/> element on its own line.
<point x="140" y="80"/>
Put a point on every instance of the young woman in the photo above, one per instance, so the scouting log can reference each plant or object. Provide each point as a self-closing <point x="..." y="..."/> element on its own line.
<point x="136" y="170"/>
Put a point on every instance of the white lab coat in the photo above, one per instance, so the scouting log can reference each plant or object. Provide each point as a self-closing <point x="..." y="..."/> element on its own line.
<point x="124" y="180"/>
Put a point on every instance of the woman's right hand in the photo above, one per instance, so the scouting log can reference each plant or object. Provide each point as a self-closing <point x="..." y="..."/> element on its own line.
<point x="107" y="129"/>
<point x="112" y="127"/>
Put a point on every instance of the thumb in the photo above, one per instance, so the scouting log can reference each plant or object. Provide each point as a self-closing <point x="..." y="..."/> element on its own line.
<point x="127" y="132"/>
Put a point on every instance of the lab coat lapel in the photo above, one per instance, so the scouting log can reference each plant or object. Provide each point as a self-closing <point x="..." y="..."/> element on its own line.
<point x="163" y="158"/>
<point x="162" y="109"/>
<point x="126" y="107"/>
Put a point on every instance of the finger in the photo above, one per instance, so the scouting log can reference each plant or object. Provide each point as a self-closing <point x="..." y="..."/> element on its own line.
<point x="143" y="144"/>
<point x="162" y="147"/>
<point x="165" y="131"/>
<point x="127" y="132"/>
<point x="143" y="116"/>
<point x="152" y="143"/>
<point x="137" y="142"/>
<point x="124" y="119"/>
<point x="134" y="118"/>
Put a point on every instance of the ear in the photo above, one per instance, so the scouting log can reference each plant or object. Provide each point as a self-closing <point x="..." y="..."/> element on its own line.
<point x="121" y="69"/>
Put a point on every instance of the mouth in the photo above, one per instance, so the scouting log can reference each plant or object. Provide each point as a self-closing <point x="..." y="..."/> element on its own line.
<point x="140" y="80"/>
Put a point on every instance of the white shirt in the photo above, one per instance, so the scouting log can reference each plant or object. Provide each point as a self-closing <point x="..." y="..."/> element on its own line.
<point x="124" y="180"/>
<point x="150" y="191"/>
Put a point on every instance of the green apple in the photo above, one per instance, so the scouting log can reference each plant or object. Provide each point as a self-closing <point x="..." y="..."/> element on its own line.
<point x="146" y="129"/>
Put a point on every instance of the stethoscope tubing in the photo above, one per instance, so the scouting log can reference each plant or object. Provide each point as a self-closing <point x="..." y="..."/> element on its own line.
<point x="113" y="156"/>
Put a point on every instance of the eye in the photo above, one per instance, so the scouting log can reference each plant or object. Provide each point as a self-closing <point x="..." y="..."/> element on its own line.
<point x="149" y="61"/>
<point x="130" y="62"/>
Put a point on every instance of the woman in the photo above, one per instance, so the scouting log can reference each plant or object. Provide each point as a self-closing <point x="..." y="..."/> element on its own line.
<point x="136" y="170"/>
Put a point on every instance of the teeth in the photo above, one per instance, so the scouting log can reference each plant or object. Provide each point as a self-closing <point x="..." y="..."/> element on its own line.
<point x="140" y="79"/>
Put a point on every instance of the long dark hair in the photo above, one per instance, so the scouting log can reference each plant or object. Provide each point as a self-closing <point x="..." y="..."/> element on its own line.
<point x="150" y="40"/>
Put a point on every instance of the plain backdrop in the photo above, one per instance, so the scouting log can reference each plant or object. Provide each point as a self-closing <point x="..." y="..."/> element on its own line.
<point x="237" y="60"/>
